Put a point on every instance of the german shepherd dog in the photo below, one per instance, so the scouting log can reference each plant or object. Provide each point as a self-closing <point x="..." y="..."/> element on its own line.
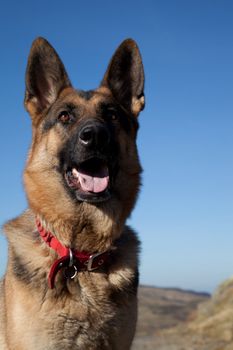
<point x="72" y="274"/>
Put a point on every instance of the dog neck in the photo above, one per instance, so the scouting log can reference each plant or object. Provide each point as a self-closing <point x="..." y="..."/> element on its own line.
<point x="70" y="259"/>
<point x="83" y="234"/>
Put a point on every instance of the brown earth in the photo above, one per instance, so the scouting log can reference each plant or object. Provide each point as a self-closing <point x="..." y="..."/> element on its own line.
<point x="173" y="319"/>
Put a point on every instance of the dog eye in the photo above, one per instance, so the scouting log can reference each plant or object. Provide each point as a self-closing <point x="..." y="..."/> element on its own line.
<point x="64" y="117"/>
<point x="112" y="114"/>
<point x="113" y="117"/>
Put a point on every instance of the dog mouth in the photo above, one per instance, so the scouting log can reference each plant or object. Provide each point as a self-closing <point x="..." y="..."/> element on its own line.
<point x="90" y="180"/>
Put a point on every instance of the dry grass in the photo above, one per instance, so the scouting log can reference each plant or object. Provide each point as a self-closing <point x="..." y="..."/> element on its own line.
<point x="172" y="319"/>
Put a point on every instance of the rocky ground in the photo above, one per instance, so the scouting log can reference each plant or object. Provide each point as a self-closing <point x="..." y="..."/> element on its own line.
<point x="172" y="319"/>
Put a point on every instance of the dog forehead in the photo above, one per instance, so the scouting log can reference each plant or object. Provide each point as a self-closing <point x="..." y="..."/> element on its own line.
<point x="86" y="100"/>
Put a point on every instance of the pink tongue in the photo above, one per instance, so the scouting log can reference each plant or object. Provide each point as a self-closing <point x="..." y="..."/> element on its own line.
<point x="88" y="183"/>
<point x="93" y="184"/>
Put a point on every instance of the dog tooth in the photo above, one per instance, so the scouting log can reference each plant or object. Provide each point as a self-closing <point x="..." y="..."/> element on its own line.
<point x="75" y="173"/>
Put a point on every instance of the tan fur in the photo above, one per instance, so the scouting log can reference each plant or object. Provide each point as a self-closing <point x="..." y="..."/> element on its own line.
<point x="137" y="105"/>
<point x="96" y="310"/>
<point x="86" y="301"/>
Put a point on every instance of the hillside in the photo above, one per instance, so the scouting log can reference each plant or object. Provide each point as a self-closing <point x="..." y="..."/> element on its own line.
<point x="172" y="319"/>
<point x="162" y="309"/>
<point x="214" y="319"/>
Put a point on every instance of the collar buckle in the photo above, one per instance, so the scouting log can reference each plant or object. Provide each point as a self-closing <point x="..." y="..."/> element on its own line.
<point x="95" y="261"/>
<point x="71" y="260"/>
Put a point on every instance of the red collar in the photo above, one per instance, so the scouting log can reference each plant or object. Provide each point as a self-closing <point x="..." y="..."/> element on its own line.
<point x="71" y="260"/>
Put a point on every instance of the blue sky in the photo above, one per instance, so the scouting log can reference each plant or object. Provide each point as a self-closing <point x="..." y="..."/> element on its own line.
<point x="184" y="213"/>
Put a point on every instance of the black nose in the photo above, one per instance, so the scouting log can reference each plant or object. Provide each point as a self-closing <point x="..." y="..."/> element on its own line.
<point x="95" y="135"/>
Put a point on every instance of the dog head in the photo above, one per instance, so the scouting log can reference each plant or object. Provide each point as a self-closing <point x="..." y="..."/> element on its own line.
<point x="84" y="143"/>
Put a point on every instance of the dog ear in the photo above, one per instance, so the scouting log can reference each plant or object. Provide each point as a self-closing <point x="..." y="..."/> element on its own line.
<point x="125" y="77"/>
<point x="45" y="77"/>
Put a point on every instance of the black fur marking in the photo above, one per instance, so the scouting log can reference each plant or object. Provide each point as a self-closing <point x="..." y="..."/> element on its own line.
<point x="126" y="121"/>
<point x="23" y="272"/>
<point x="87" y="95"/>
<point x="74" y="153"/>
<point x="135" y="283"/>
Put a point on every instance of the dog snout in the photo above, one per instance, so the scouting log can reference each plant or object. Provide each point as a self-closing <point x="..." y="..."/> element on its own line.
<point x="94" y="135"/>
